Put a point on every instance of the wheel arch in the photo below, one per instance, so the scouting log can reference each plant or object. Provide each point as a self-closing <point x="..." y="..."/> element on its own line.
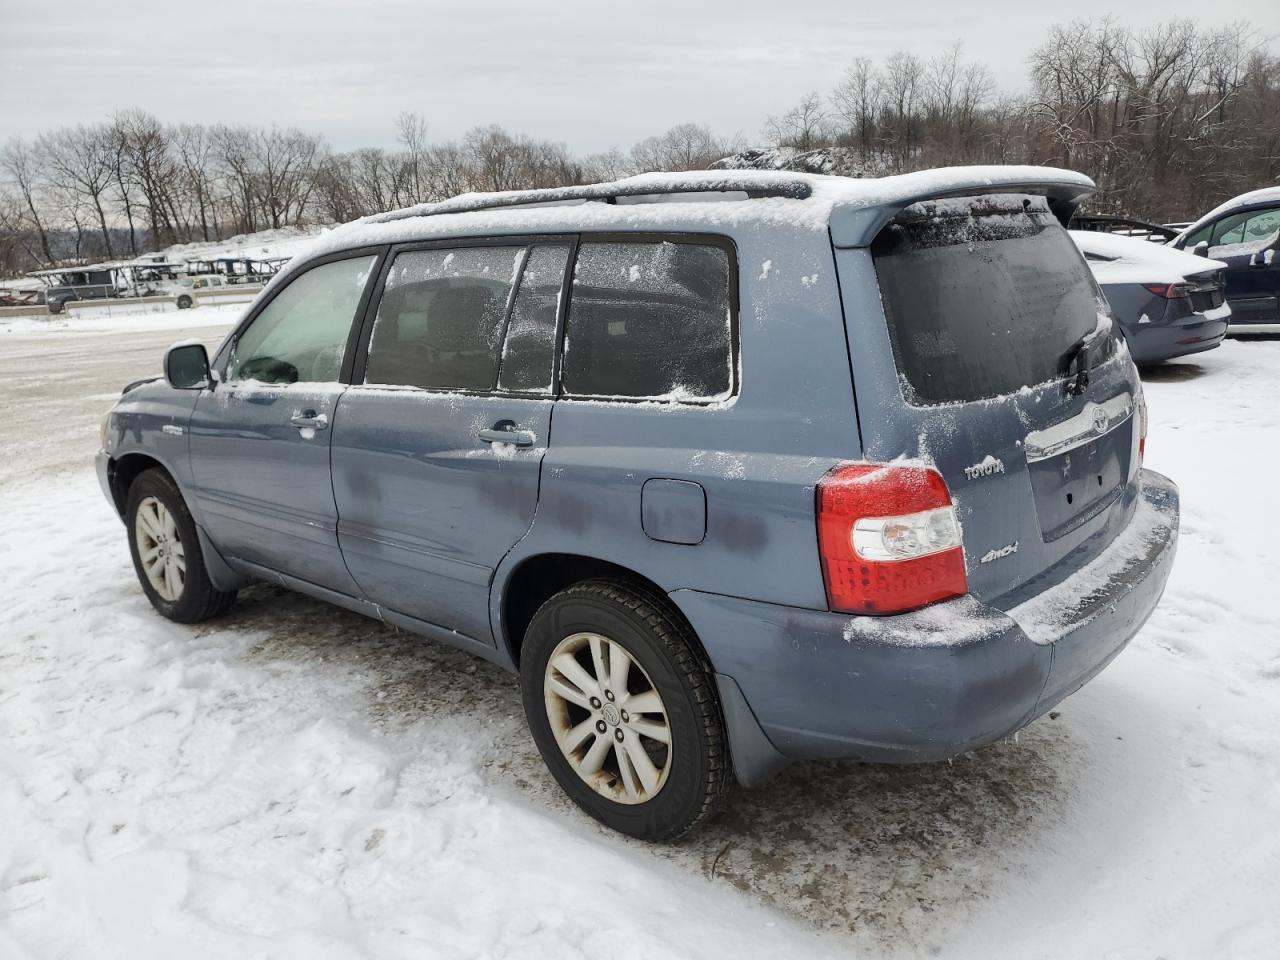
<point x="538" y="577"/>
<point x="123" y="470"/>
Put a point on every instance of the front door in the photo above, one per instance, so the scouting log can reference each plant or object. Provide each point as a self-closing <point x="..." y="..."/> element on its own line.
<point x="260" y="438"/>
<point x="1253" y="283"/>
<point x="436" y="455"/>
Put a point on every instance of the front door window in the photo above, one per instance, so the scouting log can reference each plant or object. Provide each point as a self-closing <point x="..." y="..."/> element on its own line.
<point x="301" y="336"/>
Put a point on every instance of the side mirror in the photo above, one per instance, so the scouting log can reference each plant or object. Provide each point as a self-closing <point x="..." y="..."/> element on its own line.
<point x="1201" y="249"/>
<point x="186" y="366"/>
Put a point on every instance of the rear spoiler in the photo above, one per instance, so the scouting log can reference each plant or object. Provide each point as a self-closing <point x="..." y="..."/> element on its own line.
<point x="856" y="224"/>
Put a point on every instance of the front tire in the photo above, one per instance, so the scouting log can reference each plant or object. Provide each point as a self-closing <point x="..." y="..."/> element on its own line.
<point x="622" y="707"/>
<point x="166" y="552"/>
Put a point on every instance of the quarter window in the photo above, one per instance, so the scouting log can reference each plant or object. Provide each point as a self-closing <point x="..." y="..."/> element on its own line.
<point x="301" y="335"/>
<point x="650" y="320"/>
<point x="440" y="320"/>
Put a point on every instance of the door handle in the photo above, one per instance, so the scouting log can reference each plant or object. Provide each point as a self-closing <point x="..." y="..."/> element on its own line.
<point x="310" y="419"/>
<point x="504" y="431"/>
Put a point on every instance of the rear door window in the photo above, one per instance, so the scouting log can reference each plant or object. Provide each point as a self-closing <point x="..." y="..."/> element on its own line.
<point x="528" y="351"/>
<point x="983" y="296"/>
<point x="651" y="320"/>
<point x="440" y="320"/>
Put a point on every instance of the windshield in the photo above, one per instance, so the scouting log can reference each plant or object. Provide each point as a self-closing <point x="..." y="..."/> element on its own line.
<point x="983" y="296"/>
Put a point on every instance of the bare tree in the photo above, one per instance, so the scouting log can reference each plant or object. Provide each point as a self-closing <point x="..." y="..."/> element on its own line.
<point x="149" y="163"/>
<point x="901" y="84"/>
<point x="856" y="100"/>
<point x="686" y="146"/>
<point x="78" y="163"/>
<point x="194" y="147"/>
<point x="411" y="131"/>
<point x="17" y="161"/>
<point x="804" y="126"/>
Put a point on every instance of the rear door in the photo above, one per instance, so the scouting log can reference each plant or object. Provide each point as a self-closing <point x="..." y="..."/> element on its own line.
<point x="981" y="344"/>
<point x="438" y="446"/>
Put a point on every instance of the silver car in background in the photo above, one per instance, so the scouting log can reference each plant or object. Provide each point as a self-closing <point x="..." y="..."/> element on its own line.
<point x="1167" y="302"/>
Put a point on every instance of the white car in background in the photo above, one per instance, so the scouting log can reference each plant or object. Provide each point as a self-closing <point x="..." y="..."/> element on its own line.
<point x="185" y="290"/>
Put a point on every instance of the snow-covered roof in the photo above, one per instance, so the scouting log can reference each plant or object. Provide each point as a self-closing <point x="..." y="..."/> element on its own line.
<point x="1130" y="260"/>
<point x="1265" y="195"/>
<point x="694" y="200"/>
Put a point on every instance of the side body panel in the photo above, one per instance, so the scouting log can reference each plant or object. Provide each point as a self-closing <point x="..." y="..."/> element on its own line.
<point x="152" y="419"/>
<point x="757" y="457"/>
<point x="426" y="508"/>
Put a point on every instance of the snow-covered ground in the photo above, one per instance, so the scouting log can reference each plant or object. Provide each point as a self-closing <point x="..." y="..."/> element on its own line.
<point x="157" y="316"/>
<point x="296" y="781"/>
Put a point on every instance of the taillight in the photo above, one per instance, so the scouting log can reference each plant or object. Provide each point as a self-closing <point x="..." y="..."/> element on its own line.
<point x="1170" y="291"/>
<point x="888" y="538"/>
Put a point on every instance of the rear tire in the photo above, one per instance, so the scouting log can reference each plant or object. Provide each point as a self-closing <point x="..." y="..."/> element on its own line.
<point x="185" y="302"/>
<point x="613" y="762"/>
<point x="166" y="553"/>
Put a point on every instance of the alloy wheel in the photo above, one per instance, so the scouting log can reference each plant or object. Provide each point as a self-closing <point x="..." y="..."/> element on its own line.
<point x="164" y="559"/>
<point x="608" y="718"/>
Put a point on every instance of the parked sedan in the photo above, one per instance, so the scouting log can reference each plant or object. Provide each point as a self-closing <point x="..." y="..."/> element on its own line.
<point x="1244" y="233"/>
<point x="1168" y="303"/>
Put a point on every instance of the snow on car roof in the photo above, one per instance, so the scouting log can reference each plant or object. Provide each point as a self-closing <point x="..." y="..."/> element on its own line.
<point x="688" y="200"/>
<point x="1130" y="260"/>
<point x="1265" y="195"/>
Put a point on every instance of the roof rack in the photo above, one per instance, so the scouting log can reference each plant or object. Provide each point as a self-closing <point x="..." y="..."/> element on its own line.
<point x="756" y="187"/>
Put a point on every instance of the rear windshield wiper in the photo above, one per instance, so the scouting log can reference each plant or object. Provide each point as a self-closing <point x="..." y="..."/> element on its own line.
<point x="1080" y="356"/>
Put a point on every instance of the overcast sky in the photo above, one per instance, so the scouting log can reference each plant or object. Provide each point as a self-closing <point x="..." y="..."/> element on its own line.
<point x="593" y="75"/>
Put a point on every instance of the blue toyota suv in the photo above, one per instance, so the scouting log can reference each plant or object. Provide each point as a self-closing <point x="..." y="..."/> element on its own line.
<point x="733" y="468"/>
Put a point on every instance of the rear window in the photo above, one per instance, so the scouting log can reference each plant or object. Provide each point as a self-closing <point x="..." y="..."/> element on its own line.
<point x="983" y="296"/>
<point x="650" y="321"/>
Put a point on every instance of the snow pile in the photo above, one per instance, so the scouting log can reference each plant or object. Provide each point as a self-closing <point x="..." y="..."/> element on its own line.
<point x="262" y="245"/>
<point x="147" y="317"/>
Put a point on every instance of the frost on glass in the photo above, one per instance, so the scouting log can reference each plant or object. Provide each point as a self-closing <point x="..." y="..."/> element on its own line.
<point x="439" y="323"/>
<point x="984" y="296"/>
<point x="301" y="335"/>
<point x="650" y="321"/>
<point x="529" y="349"/>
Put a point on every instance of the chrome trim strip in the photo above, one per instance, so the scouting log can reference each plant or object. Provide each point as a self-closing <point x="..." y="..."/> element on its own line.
<point x="1094" y="421"/>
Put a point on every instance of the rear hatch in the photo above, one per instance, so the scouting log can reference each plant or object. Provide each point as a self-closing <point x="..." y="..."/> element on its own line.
<point x="1001" y="369"/>
<point x="1207" y="290"/>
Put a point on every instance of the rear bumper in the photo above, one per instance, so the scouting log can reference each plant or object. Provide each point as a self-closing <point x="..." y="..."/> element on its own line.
<point x="1153" y="343"/>
<point x="940" y="681"/>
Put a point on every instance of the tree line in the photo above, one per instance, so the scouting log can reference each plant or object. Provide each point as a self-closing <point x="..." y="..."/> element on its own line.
<point x="1168" y="121"/>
